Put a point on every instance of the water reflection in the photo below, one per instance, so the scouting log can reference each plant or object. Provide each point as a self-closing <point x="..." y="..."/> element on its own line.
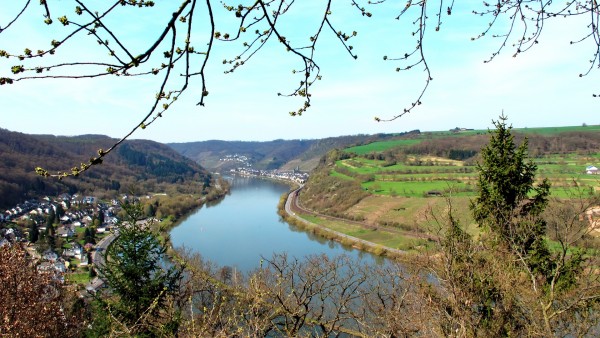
<point x="237" y="230"/>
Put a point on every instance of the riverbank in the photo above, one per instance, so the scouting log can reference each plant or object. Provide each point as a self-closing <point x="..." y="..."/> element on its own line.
<point x="346" y="232"/>
<point x="215" y="195"/>
<point x="289" y="210"/>
<point x="245" y="229"/>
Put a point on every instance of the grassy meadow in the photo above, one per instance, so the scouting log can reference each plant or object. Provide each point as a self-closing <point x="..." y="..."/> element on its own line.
<point x="407" y="180"/>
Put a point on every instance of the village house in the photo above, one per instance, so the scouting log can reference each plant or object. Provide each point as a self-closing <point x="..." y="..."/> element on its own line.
<point x="65" y="231"/>
<point x="592" y="170"/>
<point x="76" y="251"/>
<point x="65" y="197"/>
<point x="55" y="269"/>
<point x="84" y="260"/>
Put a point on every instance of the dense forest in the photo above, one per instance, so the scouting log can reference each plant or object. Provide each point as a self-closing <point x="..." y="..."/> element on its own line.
<point x="137" y="166"/>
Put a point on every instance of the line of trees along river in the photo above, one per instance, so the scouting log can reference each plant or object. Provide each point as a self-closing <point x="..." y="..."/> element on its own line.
<point x="244" y="227"/>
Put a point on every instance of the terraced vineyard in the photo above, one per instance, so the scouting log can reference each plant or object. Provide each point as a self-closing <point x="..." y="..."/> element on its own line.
<point x="407" y="180"/>
<point x="434" y="176"/>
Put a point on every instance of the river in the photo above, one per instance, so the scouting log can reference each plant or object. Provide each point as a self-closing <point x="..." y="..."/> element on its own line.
<point x="245" y="226"/>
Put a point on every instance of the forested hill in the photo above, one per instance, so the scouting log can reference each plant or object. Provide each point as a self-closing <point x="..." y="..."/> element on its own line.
<point x="277" y="154"/>
<point x="137" y="166"/>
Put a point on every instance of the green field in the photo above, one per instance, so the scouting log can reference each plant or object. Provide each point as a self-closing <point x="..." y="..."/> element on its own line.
<point x="340" y="175"/>
<point x="407" y="182"/>
<point x="78" y="277"/>
<point x="377" y="147"/>
<point x="426" y="175"/>
<point x="381" y="146"/>
<point x="381" y="237"/>
<point x="558" y="130"/>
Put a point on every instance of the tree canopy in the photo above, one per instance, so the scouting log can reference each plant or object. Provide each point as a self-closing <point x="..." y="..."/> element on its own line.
<point x="178" y="50"/>
<point x="136" y="272"/>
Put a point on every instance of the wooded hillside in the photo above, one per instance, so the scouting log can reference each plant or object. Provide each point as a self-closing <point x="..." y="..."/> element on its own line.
<point x="138" y="166"/>
<point x="286" y="154"/>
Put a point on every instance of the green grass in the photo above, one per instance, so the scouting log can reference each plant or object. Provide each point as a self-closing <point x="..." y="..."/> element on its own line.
<point x="381" y="237"/>
<point x="78" y="277"/>
<point x="417" y="188"/>
<point x="558" y="130"/>
<point x="334" y="173"/>
<point x="377" y="147"/>
<point x="366" y="167"/>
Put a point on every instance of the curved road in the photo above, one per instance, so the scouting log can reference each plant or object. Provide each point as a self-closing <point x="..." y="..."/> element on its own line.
<point x="291" y="206"/>
<point x="98" y="259"/>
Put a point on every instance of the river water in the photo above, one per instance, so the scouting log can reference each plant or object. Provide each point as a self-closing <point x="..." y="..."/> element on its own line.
<point x="245" y="226"/>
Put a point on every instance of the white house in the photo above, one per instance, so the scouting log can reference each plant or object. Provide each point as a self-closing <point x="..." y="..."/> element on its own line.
<point x="75" y="251"/>
<point x="591" y="170"/>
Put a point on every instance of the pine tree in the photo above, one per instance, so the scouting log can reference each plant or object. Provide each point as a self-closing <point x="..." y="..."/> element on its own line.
<point x="50" y="239"/>
<point x="136" y="273"/>
<point x="51" y="218"/>
<point x="509" y="203"/>
<point x="89" y="235"/>
<point x="506" y="281"/>
<point x="34" y="233"/>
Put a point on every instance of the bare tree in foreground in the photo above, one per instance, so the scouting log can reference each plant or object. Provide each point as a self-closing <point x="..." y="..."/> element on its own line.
<point x="178" y="49"/>
<point x="314" y="297"/>
<point x="34" y="304"/>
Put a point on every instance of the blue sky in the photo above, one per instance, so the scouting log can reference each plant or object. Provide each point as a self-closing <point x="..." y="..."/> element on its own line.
<point x="538" y="88"/>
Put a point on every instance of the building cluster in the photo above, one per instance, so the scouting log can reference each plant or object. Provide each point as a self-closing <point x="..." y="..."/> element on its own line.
<point x="458" y="130"/>
<point x="294" y="175"/>
<point x="70" y="212"/>
<point x="241" y="159"/>
<point x="592" y="170"/>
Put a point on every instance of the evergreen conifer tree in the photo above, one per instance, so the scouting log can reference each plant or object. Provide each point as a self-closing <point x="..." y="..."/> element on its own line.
<point x="509" y="203"/>
<point x="138" y="274"/>
<point x="34" y="233"/>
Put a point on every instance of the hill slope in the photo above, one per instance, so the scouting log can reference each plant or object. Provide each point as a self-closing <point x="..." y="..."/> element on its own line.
<point x="388" y="182"/>
<point x="137" y="166"/>
<point x="277" y="154"/>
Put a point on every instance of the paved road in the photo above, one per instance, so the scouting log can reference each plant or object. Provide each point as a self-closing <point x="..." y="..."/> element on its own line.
<point x="291" y="207"/>
<point x="98" y="260"/>
<point x="294" y="206"/>
<point x="101" y="247"/>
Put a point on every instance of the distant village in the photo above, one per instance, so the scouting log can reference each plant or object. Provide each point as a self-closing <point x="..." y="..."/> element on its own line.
<point x="244" y="160"/>
<point x="77" y="223"/>
<point x="294" y="175"/>
<point x="245" y="169"/>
